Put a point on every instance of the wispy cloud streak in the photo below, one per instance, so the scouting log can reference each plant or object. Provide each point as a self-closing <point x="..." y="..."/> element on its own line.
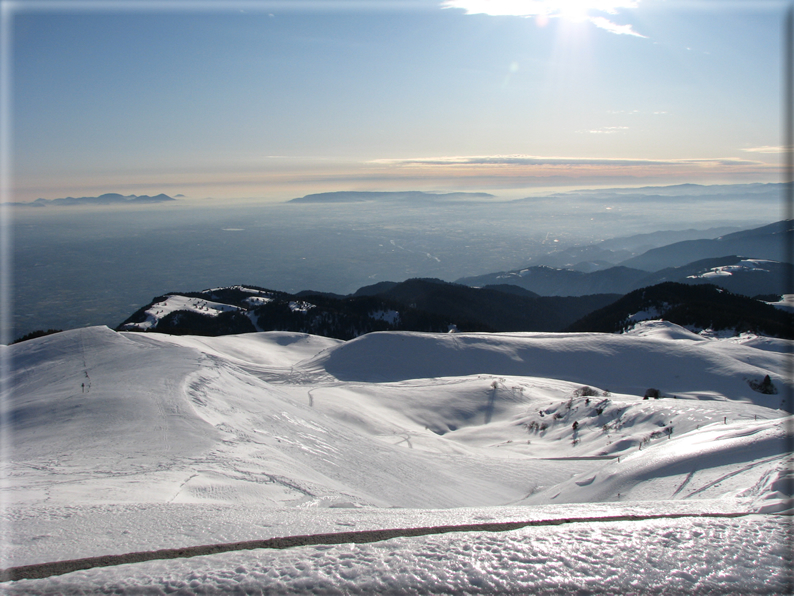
<point x="608" y="25"/>
<point x="768" y="149"/>
<point x="527" y="160"/>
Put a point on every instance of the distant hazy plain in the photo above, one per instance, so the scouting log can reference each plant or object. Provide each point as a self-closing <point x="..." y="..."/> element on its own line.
<point x="77" y="266"/>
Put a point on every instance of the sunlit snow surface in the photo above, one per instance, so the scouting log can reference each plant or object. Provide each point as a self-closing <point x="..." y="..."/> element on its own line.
<point x="755" y="265"/>
<point x="786" y="302"/>
<point x="177" y="303"/>
<point x="686" y="556"/>
<point x="127" y="442"/>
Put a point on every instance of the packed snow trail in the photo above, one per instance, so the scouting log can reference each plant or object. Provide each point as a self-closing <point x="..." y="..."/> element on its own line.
<point x="42" y="570"/>
<point x="700" y="556"/>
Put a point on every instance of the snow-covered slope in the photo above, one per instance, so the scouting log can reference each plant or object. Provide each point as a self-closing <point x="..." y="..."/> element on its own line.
<point x="120" y="434"/>
<point x="786" y="302"/>
<point x="176" y="303"/>
<point x="754" y="265"/>
<point x="669" y="358"/>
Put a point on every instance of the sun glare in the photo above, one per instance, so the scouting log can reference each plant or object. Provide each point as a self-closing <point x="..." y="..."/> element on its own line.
<point x="574" y="10"/>
<point x="569" y="10"/>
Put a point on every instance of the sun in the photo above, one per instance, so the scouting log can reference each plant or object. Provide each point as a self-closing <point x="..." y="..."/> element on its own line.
<point x="574" y="10"/>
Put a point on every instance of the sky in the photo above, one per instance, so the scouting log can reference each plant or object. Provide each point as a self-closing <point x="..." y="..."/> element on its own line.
<point x="275" y="100"/>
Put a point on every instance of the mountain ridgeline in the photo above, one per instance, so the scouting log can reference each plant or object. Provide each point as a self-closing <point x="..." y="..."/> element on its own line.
<point x="435" y="306"/>
<point x="400" y="197"/>
<point x="692" y="306"/>
<point x="413" y="305"/>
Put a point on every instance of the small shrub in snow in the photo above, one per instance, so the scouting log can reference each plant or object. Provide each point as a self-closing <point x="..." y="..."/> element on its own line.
<point x="601" y="406"/>
<point x="667" y="430"/>
<point x="535" y="426"/>
<point x="585" y="391"/>
<point x="766" y="386"/>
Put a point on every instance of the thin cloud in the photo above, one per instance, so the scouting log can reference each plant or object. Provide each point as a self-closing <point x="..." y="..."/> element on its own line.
<point x="606" y="130"/>
<point x="545" y="9"/>
<point x="767" y="149"/>
<point x="528" y="160"/>
<point x="608" y="25"/>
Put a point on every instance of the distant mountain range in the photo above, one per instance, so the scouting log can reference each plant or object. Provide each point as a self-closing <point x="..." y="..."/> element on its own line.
<point x="409" y="196"/>
<point x="759" y="193"/>
<point x="762" y="269"/>
<point x="766" y="242"/>
<point x="614" y="251"/>
<point x="111" y="198"/>
<point x="749" y="277"/>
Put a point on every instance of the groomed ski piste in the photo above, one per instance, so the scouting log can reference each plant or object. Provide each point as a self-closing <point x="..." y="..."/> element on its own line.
<point x="397" y="463"/>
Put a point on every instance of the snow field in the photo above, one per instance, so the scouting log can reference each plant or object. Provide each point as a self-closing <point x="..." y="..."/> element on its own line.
<point x="131" y="441"/>
<point x="696" y="368"/>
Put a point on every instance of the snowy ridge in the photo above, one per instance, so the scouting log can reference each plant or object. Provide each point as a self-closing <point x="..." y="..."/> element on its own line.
<point x="128" y="442"/>
<point x="754" y="265"/>
<point x="176" y="303"/>
<point x="205" y="303"/>
<point x="688" y="366"/>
